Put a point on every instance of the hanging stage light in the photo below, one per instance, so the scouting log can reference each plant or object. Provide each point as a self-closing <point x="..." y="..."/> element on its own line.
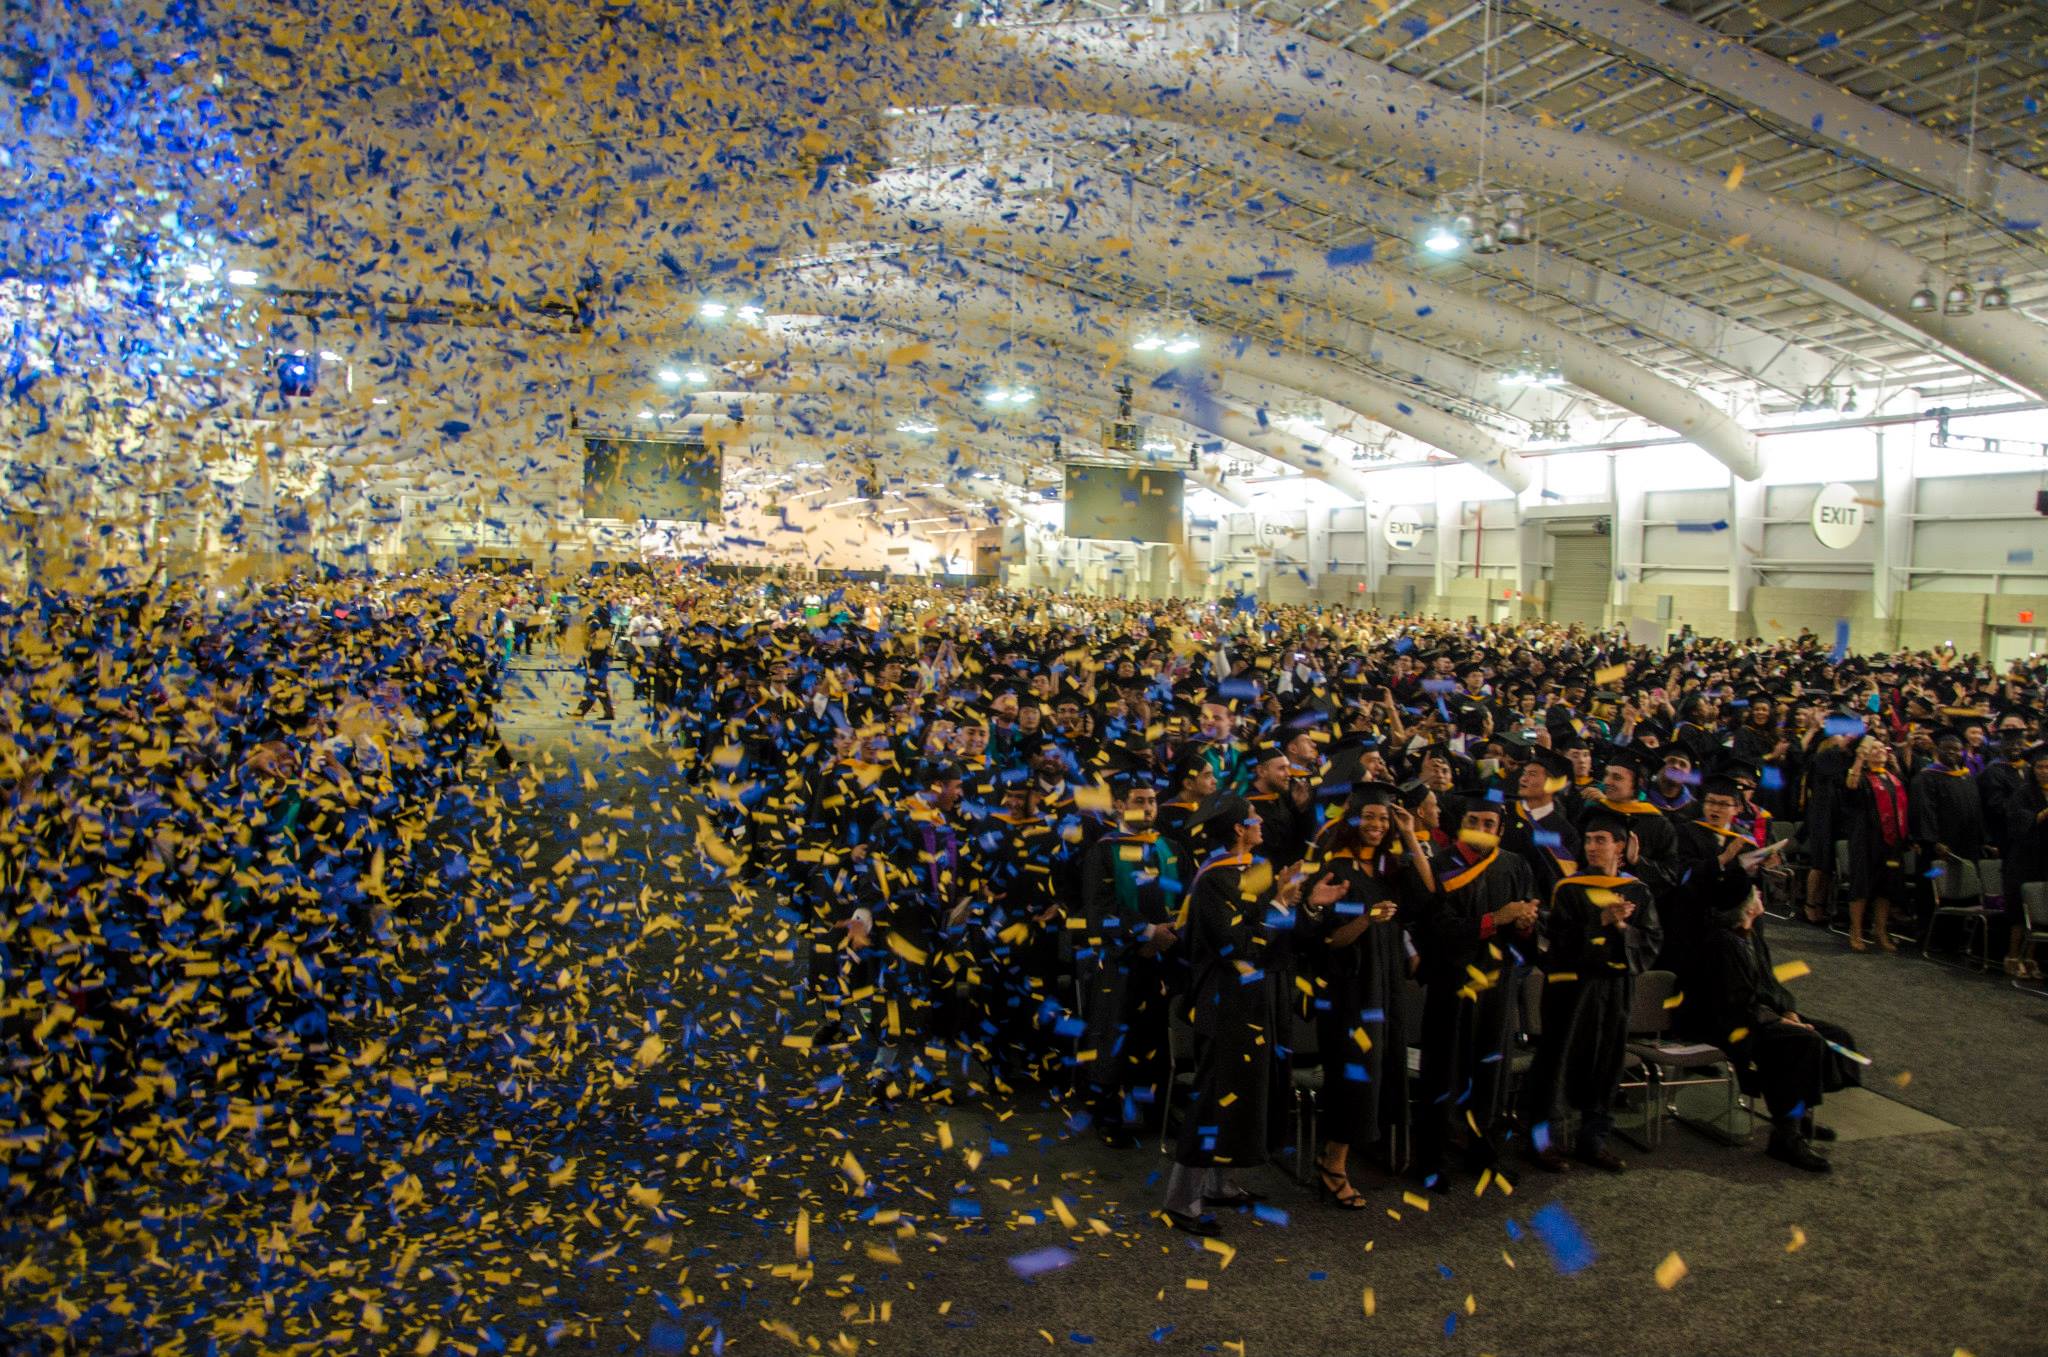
<point x="1960" y="300"/>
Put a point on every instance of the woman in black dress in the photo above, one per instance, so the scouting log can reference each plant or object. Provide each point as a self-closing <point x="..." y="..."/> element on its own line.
<point x="1233" y="910"/>
<point x="1356" y="956"/>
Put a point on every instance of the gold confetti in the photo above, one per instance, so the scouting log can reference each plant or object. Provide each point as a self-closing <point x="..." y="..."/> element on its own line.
<point x="1671" y="1271"/>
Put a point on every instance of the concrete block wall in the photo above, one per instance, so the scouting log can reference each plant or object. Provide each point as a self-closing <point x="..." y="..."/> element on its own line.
<point x="1777" y="612"/>
<point x="1927" y="620"/>
<point x="1703" y="607"/>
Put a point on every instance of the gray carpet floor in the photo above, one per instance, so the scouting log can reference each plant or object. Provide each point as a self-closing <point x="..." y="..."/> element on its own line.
<point x="652" y="1204"/>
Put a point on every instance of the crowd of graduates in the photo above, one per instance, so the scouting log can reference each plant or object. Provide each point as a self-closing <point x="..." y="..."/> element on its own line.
<point x="210" y="805"/>
<point x="1038" y="838"/>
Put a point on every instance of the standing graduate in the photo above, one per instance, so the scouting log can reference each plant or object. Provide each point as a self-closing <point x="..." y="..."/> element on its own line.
<point x="1132" y="883"/>
<point x="1233" y="910"/>
<point x="1947" y="811"/>
<point x="1287" y="827"/>
<point x="1598" y="933"/>
<point x="1355" y="956"/>
<point x="1535" y="827"/>
<point x="1485" y="906"/>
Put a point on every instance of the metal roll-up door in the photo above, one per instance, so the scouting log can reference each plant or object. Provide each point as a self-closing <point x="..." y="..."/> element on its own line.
<point x="1579" y="565"/>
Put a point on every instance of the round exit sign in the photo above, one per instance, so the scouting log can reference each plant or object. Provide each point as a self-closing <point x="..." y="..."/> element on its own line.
<point x="1837" y="517"/>
<point x="1403" y="528"/>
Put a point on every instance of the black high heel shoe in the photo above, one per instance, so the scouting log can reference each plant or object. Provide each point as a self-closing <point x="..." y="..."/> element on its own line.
<point x="1342" y="1195"/>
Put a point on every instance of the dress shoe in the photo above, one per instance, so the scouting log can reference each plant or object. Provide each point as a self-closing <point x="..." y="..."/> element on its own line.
<point x="1603" y="1158"/>
<point x="1792" y="1149"/>
<point x="1204" y="1224"/>
<point x="1550" y="1159"/>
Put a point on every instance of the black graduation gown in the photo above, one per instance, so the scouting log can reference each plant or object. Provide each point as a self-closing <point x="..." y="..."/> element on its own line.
<point x="1589" y="988"/>
<point x="2026" y="842"/>
<point x="1826" y="769"/>
<point x="1876" y="868"/>
<point x="1656" y="864"/>
<point x="1285" y="831"/>
<point x="1013" y="985"/>
<point x="1733" y="999"/>
<point x="1231" y="1004"/>
<point x="1361" y="988"/>
<point x="1467" y="1023"/>
<point x="1129" y="883"/>
<point x="1706" y="896"/>
<point x="1946" y="808"/>
<point x="1549" y="845"/>
<point x="1998" y="786"/>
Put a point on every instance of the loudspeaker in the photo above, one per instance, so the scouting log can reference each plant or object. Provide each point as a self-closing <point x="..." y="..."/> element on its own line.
<point x="2041" y="502"/>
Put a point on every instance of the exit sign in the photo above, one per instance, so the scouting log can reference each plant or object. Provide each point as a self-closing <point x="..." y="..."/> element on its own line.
<point x="2026" y="614"/>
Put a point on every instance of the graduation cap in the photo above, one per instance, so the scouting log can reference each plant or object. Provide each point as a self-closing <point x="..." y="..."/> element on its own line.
<point x="1637" y="761"/>
<point x="1342" y="774"/>
<point x="1600" y="820"/>
<point x="1219" y="816"/>
<point x="1374" y="794"/>
<point x="2038" y="754"/>
<point x="1740" y="768"/>
<point x="1190" y="764"/>
<point x="1720" y="784"/>
<point x="1555" y="765"/>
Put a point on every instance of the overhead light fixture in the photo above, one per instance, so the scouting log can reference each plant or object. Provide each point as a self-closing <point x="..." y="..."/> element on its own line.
<point x="1487" y="239"/>
<point x="198" y="273"/>
<point x="712" y="310"/>
<point x="1148" y="342"/>
<point x="379" y="400"/>
<point x="1923" y="301"/>
<point x="1959" y="300"/>
<point x="1995" y="298"/>
<point x="647" y="414"/>
<point x="696" y="376"/>
<point x="668" y="376"/>
<point x="1183" y="345"/>
<point x="1441" y="240"/>
<point x="329" y="356"/>
<point x="1463" y="225"/>
<point x="1531" y="370"/>
<point x="242" y="277"/>
<point x="1514" y="224"/>
<point x="750" y="313"/>
<point x="916" y="426"/>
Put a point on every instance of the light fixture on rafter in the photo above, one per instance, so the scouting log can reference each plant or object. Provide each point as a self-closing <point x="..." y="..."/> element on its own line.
<point x="1995" y="298"/>
<point x="1959" y="300"/>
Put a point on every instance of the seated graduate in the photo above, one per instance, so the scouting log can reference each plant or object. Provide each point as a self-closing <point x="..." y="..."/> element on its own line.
<point x="1733" y="999"/>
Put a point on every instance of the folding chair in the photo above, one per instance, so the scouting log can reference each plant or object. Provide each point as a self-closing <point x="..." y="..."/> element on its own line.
<point x="1959" y="894"/>
<point x="1306" y="1075"/>
<point x="2034" y="925"/>
<point x="1783" y="891"/>
<point x="1695" y="1064"/>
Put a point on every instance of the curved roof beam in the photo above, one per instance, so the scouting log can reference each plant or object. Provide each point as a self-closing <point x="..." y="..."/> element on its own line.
<point x="1208" y="416"/>
<point x="1263" y="170"/>
<point x="1235" y="70"/>
<point x="968" y="304"/>
<point x="1694" y="54"/>
<point x="1173" y="247"/>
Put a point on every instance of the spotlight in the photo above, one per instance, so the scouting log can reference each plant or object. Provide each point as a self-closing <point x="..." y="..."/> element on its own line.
<point x="1923" y="301"/>
<point x="1960" y="300"/>
<point x="1995" y="298"/>
<point x="242" y="277"/>
<point x="917" y="427"/>
<point x="1146" y="343"/>
<point x="1441" y="241"/>
<point x="668" y="376"/>
<point x="1488" y="239"/>
<point x="750" y="313"/>
<point x="712" y="310"/>
<point x="1184" y="345"/>
<point x="647" y="414"/>
<point x="1462" y="225"/>
<point x="996" y="395"/>
<point x="696" y="377"/>
<point x="198" y="273"/>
